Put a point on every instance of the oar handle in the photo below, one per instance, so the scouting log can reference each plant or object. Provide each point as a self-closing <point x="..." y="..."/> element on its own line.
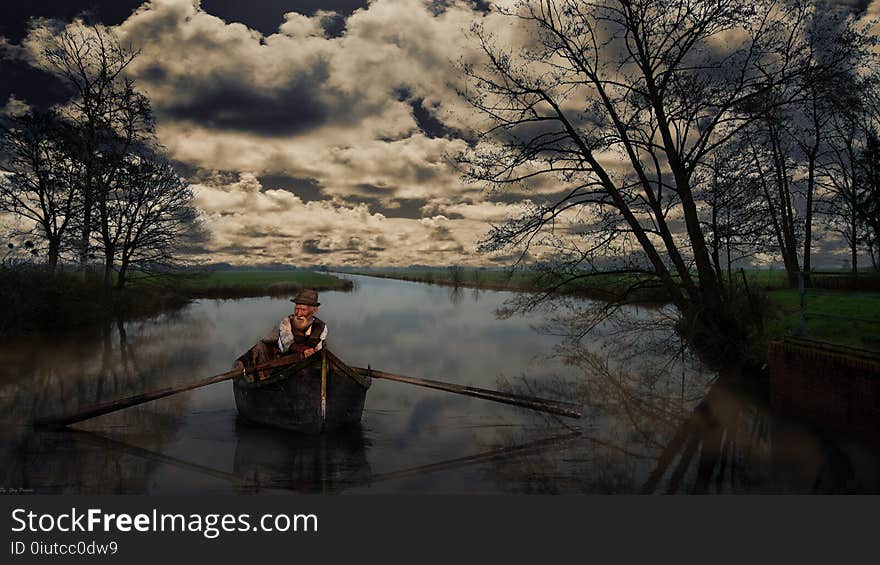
<point x="113" y="405"/>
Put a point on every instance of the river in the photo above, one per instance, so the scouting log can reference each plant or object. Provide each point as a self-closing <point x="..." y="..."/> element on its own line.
<point x="654" y="419"/>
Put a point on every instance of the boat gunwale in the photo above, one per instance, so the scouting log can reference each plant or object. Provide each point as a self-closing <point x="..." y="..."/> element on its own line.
<point x="286" y="372"/>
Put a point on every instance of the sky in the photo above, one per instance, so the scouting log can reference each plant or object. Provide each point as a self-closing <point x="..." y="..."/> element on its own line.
<point x="312" y="132"/>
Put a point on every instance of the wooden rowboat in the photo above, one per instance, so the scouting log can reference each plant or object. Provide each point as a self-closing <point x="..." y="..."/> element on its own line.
<point x="318" y="394"/>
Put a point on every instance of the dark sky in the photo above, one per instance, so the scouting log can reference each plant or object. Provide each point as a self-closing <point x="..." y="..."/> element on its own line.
<point x="300" y="128"/>
<point x="263" y="15"/>
<point x="38" y="89"/>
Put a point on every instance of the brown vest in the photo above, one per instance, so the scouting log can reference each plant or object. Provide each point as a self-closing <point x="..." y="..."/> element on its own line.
<point x="311" y="340"/>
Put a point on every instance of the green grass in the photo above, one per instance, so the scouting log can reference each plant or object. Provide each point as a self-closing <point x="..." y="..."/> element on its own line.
<point x="32" y="299"/>
<point x="764" y="278"/>
<point x="855" y="321"/>
<point x="250" y="283"/>
<point x="306" y="279"/>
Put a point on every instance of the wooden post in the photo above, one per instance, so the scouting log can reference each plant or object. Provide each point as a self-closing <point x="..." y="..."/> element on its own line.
<point x="802" y="330"/>
<point x="756" y="313"/>
<point x="323" y="386"/>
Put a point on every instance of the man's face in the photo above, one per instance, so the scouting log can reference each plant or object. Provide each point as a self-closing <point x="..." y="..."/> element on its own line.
<point x="302" y="316"/>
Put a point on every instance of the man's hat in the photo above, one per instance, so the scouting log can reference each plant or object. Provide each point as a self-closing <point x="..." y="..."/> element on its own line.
<point x="307" y="297"/>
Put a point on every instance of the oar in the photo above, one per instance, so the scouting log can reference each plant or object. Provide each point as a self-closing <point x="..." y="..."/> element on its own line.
<point x="114" y="405"/>
<point x="540" y="404"/>
<point x="534" y="403"/>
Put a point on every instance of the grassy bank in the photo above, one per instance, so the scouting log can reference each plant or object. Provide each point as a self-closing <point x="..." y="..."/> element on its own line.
<point x="846" y="318"/>
<point x="601" y="286"/>
<point x="32" y="300"/>
<point x="237" y="284"/>
<point x="838" y="316"/>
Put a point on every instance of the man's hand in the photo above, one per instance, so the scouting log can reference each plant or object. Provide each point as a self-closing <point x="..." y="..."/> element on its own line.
<point x="308" y="352"/>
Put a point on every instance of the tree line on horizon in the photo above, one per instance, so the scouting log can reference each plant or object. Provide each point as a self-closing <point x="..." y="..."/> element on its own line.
<point x="87" y="179"/>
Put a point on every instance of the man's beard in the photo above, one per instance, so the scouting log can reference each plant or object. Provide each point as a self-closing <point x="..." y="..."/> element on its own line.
<point x="301" y="323"/>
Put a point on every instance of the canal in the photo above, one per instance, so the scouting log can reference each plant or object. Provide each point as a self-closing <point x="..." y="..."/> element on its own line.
<point x="654" y="419"/>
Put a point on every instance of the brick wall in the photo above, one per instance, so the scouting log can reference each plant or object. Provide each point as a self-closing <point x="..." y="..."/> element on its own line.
<point x="833" y="387"/>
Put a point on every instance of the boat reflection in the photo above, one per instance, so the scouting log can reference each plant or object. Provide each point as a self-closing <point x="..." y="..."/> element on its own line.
<point x="268" y="458"/>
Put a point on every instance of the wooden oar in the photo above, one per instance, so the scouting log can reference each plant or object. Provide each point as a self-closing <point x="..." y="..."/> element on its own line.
<point x="534" y="403"/>
<point x="540" y="404"/>
<point x="114" y="405"/>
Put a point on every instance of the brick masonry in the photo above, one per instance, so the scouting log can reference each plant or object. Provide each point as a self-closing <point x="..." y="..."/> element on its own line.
<point x="834" y="387"/>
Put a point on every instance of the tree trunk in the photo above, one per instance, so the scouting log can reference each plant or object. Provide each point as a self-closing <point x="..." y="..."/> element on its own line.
<point x="86" y="233"/>
<point x="854" y="227"/>
<point x="854" y="258"/>
<point x="123" y="270"/>
<point x="716" y="239"/>
<point x="771" y="207"/>
<point x="727" y="234"/>
<point x="786" y="215"/>
<point x="53" y="255"/>
<point x="808" y="218"/>
<point x="108" y="266"/>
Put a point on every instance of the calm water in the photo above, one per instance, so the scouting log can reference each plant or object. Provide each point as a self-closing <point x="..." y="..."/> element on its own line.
<point x="654" y="420"/>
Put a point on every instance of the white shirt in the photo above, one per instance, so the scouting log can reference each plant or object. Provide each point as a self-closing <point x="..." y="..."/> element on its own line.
<point x="285" y="335"/>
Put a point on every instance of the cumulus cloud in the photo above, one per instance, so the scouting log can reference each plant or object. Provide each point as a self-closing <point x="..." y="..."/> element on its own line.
<point x="250" y="224"/>
<point x="353" y="118"/>
<point x="14" y="107"/>
<point x="871" y="18"/>
<point x="353" y="122"/>
<point x="358" y="112"/>
<point x="347" y="112"/>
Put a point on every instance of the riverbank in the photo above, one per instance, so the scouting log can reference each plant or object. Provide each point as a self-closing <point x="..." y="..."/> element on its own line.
<point x="849" y="318"/>
<point x="629" y="288"/>
<point x="836" y="314"/>
<point x="242" y="284"/>
<point x="32" y="299"/>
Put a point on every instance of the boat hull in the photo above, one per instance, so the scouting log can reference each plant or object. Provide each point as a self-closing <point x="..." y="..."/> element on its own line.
<point x="292" y="399"/>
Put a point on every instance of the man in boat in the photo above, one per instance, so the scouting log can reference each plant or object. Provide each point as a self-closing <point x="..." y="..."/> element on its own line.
<point x="298" y="335"/>
<point x="302" y="332"/>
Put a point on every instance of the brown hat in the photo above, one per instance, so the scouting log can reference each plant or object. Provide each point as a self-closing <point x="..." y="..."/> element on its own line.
<point x="308" y="297"/>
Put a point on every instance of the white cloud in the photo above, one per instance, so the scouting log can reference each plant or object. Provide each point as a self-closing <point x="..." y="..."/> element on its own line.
<point x="250" y="225"/>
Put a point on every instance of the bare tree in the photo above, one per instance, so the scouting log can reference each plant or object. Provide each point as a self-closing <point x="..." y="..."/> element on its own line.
<point x="772" y="160"/>
<point x="792" y="143"/>
<point x="151" y="215"/>
<point x="622" y="102"/>
<point x="456" y="274"/>
<point x="40" y="181"/>
<point x="110" y="116"/>
<point x="736" y="225"/>
<point x="868" y="196"/>
<point x="847" y="138"/>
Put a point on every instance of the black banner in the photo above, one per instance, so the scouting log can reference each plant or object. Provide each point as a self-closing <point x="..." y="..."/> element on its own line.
<point x="406" y="529"/>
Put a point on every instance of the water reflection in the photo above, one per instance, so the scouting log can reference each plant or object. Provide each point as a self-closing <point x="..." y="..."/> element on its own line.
<point x="655" y="420"/>
<point x="266" y="458"/>
<point x="661" y="423"/>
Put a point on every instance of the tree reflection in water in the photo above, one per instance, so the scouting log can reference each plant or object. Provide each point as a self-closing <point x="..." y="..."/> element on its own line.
<point x="658" y="421"/>
<point x="77" y="371"/>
